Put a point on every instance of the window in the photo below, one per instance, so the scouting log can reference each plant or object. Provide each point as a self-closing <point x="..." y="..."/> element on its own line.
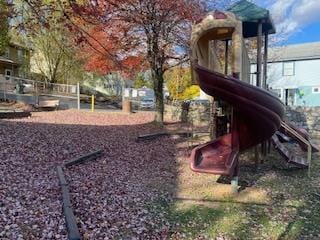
<point x="288" y="68"/>
<point x="8" y="73"/>
<point x="316" y="90"/>
<point x="20" y="56"/>
<point x="7" y="53"/>
<point x="142" y="93"/>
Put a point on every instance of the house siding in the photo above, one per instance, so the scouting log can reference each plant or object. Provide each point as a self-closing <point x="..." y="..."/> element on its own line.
<point x="306" y="75"/>
<point x="308" y="98"/>
<point x="21" y="65"/>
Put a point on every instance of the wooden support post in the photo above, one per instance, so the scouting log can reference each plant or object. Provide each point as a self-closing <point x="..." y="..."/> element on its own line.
<point x="258" y="82"/>
<point x="226" y="52"/>
<point x="256" y="157"/>
<point x="213" y="120"/>
<point x="269" y="146"/>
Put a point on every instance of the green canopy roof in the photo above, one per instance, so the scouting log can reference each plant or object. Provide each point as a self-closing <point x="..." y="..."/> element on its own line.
<point x="250" y="14"/>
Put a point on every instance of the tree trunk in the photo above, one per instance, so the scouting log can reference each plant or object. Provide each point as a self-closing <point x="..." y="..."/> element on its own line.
<point x="156" y="64"/>
<point x="158" y="90"/>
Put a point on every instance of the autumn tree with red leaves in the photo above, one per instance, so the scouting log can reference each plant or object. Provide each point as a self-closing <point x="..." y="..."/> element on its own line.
<point x="100" y="54"/>
<point x="128" y="34"/>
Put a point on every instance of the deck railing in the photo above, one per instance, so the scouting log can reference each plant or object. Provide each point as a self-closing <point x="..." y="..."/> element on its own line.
<point x="9" y="84"/>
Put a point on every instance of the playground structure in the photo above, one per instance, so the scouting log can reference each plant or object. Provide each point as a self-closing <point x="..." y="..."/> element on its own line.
<point x="220" y="65"/>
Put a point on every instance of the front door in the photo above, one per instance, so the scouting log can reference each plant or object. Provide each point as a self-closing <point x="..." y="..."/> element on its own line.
<point x="290" y="96"/>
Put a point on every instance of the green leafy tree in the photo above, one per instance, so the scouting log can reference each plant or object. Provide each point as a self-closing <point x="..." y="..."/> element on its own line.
<point x="191" y="92"/>
<point x="4" y="26"/>
<point x="53" y="58"/>
<point x="142" y="80"/>
<point x="178" y="79"/>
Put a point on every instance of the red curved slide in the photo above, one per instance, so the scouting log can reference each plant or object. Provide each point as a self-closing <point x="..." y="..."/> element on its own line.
<point x="257" y="115"/>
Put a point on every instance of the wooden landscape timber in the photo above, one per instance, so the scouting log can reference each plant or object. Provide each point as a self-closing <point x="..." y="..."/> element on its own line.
<point x="151" y="136"/>
<point x="13" y="114"/>
<point x="83" y="158"/>
<point x="71" y="222"/>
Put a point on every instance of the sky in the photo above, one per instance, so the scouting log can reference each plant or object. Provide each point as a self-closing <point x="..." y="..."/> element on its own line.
<point x="296" y="21"/>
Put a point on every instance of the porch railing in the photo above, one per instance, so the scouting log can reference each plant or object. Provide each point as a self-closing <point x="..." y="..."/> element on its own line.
<point x="9" y="84"/>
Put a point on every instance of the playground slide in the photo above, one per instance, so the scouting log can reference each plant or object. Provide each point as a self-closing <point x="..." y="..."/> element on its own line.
<point x="257" y="115"/>
<point x="287" y="133"/>
<point x="290" y="157"/>
<point x="290" y="129"/>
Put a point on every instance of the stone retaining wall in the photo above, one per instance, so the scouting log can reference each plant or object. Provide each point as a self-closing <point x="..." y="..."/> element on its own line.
<point x="197" y="112"/>
<point x="306" y="117"/>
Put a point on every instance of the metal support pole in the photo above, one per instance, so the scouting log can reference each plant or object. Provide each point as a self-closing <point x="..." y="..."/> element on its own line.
<point x="235" y="180"/>
<point x="78" y="95"/>
<point x="265" y="61"/>
<point x="235" y="185"/>
<point x="265" y="76"/>
<point x="259" y="59"/>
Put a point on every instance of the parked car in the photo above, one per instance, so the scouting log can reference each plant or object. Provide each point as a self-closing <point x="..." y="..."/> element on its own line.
<point x="147" y="103"/>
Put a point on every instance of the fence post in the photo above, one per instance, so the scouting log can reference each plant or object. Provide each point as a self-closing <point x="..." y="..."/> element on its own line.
<point x="92" y="103"/>
<point x="5" y="89"/>
<point x="78" y="95"/>
<point x="37" y="93"/>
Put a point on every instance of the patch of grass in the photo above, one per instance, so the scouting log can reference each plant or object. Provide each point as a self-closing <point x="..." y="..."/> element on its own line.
<point x="276" y="204"/>
<point x="193" y="220"/>
<point x="233" y="225"/>
<point x="293" y="231"/>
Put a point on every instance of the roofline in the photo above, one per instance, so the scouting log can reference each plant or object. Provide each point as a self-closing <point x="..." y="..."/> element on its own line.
<point x="294" y="59"/>
<point x="19" y="46"/>
<point x="8" y="61"/>
<point x="290" y="60"/>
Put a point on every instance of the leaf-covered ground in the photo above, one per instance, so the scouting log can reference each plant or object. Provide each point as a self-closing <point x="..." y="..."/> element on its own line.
<point x="141" y="190"/>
